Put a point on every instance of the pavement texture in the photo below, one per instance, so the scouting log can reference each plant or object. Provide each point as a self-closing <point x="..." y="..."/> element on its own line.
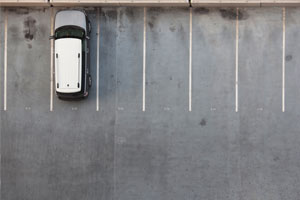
<point x="166" y="153"/>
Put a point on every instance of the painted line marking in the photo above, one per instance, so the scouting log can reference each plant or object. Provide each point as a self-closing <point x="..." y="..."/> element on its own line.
<point x="190" y="60"/>
<point x="144" y="59"/>
<point x="283" y="59"/>
<point x="51" y="61"/>
<point x="98" y="45"/>
<point x="5" y="61"/>
<point x="74" y="108"/>
<point x="27" y="108"/>
<point x="167" y="108"/>
<point x="1" y="62"/>
<point x="237" y="61"/>
<point x="120" y="108"/>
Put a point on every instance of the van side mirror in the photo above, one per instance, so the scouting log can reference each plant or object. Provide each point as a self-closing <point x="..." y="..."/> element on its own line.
<point x="51" y="37"/>
<point x="87" y="37"/>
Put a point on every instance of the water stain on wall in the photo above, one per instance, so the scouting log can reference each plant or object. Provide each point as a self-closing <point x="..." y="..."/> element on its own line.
<point x="156" y="10"/>
<point x="203" y="122"/>
<point x="129" y="12"/>
<point x="14" y="32"/>
<point x="30" y="29"/>
<point x="172" y="28"/>
<point x="109" y="15"/>
<point x="43" y="30"/>
<point x="201" y="11"/>
<point x="288" y="57"/>
<point x="150" y="24"/>
<point x="231" y="14"/>
<point x="19" y="11"/>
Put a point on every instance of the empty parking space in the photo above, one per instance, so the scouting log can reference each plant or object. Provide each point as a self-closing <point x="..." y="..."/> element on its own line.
<point x="167" y="61"/>
<point x="28" y="59"/>
<point x="260" y="59"/>
<point x="213" y="59"/>
<point x="129" y="59"/>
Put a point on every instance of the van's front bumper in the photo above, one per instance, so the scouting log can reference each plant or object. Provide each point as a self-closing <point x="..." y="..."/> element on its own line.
<point x="72" y="96"/>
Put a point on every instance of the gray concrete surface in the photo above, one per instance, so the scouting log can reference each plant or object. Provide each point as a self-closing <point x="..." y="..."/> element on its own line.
<point x="166" y="152"/>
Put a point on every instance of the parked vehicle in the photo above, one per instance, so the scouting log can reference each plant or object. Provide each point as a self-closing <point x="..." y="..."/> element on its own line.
<point x="71" y="41"/>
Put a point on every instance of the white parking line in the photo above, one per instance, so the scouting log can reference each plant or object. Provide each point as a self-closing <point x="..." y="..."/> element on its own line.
<point x="237" y="61"/>
<point x="98" y="41"/>
<point x="144" y="59"/>
<point x="0" y="56"/>
<point x="51" y="60"/>
<point x="283" y="59"/>
<point x="190" y="60"/>
<point x="5" y="60"/>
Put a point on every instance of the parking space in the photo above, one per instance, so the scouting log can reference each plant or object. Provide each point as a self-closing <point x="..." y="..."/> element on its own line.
<point x="89" y="105"/>
<point x="213" y="60"/>
<point x="166" y="69"/>
<point x="166" y="152"/>
<point x="28" y="87"/>
<point x="129" y="65"/>
<point x="260" y="59"/>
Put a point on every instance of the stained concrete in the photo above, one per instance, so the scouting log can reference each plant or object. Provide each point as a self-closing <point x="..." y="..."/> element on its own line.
<point x="166" y="152"/>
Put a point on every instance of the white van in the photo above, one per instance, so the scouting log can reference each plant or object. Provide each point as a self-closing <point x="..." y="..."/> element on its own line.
<point x="72" y="70"/>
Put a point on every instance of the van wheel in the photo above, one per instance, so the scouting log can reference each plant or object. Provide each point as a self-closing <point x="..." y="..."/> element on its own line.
<point x="90" y="81"/>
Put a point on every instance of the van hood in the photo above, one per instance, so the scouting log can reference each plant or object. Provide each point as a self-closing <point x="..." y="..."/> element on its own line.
<point x="68" y="65"/>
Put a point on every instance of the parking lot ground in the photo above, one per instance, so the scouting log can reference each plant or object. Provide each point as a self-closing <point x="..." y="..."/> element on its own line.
<point x="165" y="152"/>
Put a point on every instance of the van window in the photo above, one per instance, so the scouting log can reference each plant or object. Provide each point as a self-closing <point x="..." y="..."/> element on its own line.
<point x="83" y="41"/>
<point x="83" y="46"/>
<point x="69" y="32"/>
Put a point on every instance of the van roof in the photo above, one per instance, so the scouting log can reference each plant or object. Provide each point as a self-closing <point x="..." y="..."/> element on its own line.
<point x="68" y="65"/>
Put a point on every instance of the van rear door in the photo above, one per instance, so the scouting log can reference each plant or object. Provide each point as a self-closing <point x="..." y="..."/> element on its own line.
<point x="68" y="65"/>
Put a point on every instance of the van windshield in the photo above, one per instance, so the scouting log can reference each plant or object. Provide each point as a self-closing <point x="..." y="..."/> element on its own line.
<point x="69" y="32"/>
